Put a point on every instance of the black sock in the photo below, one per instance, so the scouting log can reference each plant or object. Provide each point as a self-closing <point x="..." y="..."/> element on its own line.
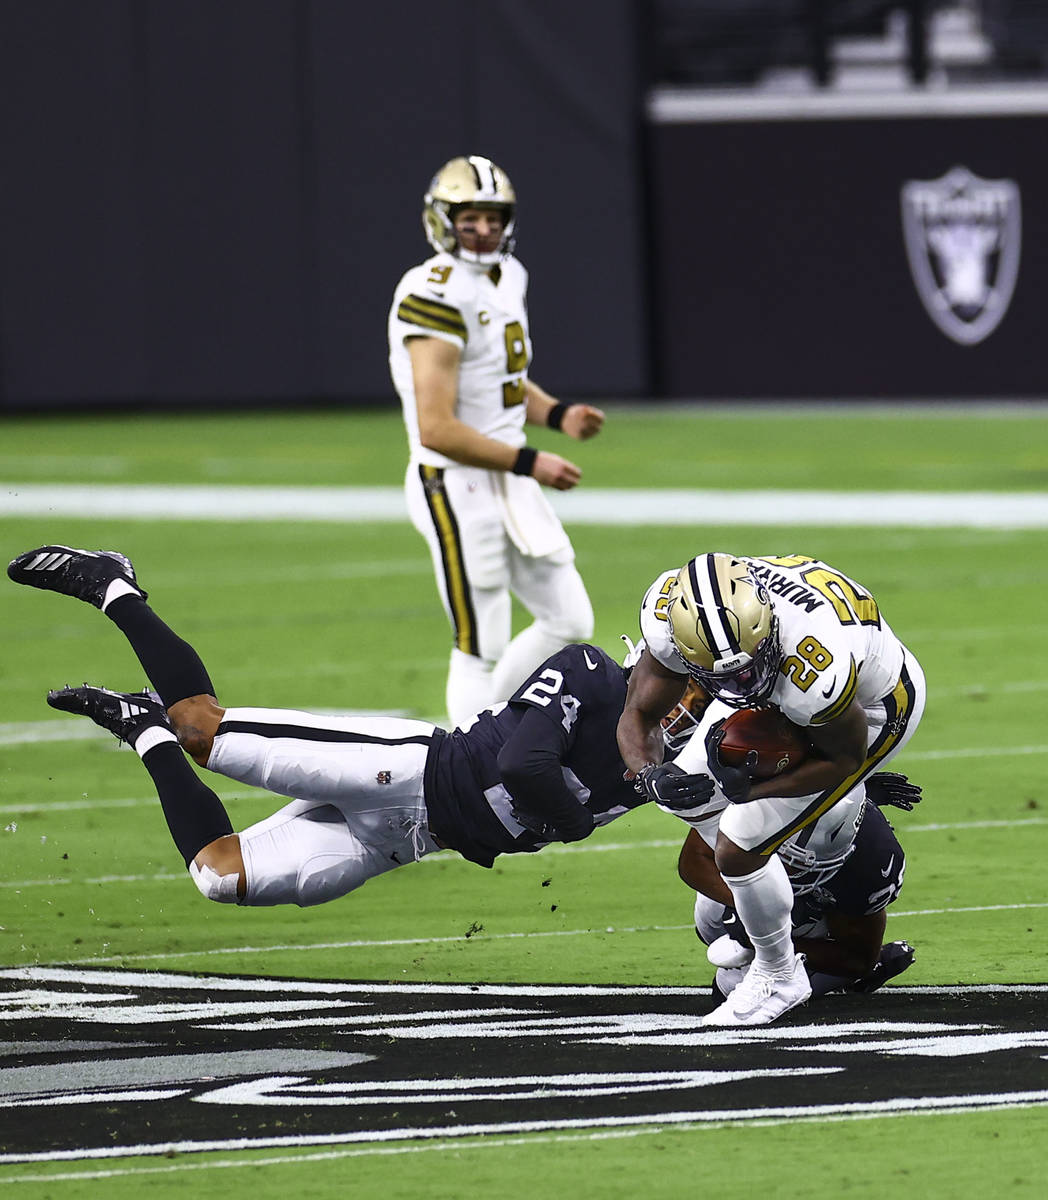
<point x="195" y="815"/>
<point x="174" y="668"/>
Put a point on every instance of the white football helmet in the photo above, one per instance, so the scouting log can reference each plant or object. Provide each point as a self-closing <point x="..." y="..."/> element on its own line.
<point x="819" y="850"/>
<point x="682" y="720"/>
<point x="725" y="629"/>
<point x="468" y="182"/>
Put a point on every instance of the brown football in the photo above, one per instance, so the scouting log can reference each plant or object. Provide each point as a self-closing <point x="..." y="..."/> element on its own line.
<point x="780" y="744"/>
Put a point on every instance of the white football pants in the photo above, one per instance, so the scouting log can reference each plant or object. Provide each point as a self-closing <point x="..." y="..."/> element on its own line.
<point x="359" y="808"/>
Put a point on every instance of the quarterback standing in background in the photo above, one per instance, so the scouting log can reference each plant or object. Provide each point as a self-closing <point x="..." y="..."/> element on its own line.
<point x="459" y="351"/>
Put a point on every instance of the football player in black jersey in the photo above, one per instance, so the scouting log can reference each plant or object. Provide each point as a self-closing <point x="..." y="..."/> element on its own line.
<point x="839" y="912"/>
<point x="370" y="793"/>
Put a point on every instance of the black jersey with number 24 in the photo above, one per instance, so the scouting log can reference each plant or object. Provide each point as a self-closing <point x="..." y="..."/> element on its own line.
<point x="580" y="689"/>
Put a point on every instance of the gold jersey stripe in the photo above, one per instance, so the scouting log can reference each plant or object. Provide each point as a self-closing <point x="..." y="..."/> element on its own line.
<point x="840" y="705"/>
<point x="429" y="314"/>
<point x="899" y="709"/>
<point x="455" y="580"/>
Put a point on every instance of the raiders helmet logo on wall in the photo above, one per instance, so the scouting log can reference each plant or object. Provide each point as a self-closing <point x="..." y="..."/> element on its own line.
<point x="962" y="239"/>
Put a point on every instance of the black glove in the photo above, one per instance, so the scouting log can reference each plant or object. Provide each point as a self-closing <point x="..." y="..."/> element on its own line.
<point x="812" y="906"/>
<point x="891" y="788"/>
<point x="667" y="784"/>
<point x="734" y="781"/>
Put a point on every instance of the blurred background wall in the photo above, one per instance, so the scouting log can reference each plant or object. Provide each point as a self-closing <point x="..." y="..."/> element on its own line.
<point x="209" y="202"/>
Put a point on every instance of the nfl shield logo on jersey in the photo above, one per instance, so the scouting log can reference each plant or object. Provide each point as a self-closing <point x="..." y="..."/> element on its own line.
<point x="962" y="239"/>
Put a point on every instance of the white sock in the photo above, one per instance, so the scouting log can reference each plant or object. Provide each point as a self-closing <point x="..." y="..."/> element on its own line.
<point x="469" y="686"/>
<point x="764" y="902"/>
<point x="531" y="647"/>
<point x="118" y="588"/>
<point x="152" y="735"/>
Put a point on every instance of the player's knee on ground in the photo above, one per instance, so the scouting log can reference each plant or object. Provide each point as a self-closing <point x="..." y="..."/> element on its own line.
<point x="195" y="721"/>
<point x="218" y="871"/>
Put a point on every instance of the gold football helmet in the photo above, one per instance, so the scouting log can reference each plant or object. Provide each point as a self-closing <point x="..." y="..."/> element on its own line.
<point x="725" y="629"/>
<point x="474" y="181"/>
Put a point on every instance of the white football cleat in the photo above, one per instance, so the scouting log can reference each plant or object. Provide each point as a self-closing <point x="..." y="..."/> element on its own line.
<point x="726" y="981"/>
<point x="761" y="998"/>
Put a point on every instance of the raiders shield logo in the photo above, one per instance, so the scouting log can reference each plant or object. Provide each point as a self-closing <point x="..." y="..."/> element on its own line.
<point x="962" y="239"/>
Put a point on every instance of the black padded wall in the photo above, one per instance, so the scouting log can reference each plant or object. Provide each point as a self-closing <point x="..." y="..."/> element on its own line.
<point x="210" y="202"/>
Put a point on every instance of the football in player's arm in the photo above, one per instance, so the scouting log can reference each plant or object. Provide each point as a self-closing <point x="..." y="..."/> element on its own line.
<point x="459" y="352"/>
<point x="845" y="869"/>
<point x="797" y="634"/>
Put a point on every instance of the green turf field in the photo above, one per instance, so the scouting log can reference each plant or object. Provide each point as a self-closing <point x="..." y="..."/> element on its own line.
<point x="344" y="616"/>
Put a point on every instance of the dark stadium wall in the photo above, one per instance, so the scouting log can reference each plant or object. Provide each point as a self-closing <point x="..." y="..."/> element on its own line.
<point x="798" y="282"/>
<point x="211" y="203"/>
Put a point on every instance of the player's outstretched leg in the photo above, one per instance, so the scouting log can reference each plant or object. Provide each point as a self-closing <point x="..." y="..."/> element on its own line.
<point x="195" y="815"/>
<point x="88" y="575"/>
<point x="106" y="579"/>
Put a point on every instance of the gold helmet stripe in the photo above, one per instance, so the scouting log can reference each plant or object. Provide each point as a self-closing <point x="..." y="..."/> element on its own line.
<point x="898" y="705"/>
<point x="417" y="310"/>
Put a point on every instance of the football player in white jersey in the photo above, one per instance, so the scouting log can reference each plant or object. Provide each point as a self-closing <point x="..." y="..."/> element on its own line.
<point x="845" y="869"/>
<point x="459" y="351"/>
<point x="795" y="633"/>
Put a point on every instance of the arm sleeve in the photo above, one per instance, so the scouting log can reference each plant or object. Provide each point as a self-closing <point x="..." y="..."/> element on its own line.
<point x="530" y="766"/>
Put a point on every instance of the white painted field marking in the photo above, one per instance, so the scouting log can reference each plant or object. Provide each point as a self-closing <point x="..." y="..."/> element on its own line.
<point x="585" y="506"/>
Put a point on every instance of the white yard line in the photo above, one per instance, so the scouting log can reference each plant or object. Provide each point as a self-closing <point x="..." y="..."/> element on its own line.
<point x="584" y="506"/>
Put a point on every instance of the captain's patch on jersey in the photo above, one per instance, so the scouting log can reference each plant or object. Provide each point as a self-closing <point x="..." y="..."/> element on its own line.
<point x="100" y="1064"/>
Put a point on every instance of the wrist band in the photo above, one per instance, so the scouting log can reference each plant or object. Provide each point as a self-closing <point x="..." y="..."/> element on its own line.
<point x="555" y="417"/>
<point x="525" y="463"/>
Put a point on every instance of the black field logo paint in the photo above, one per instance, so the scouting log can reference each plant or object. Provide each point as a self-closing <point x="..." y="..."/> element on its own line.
<point x="99" y="1064"/>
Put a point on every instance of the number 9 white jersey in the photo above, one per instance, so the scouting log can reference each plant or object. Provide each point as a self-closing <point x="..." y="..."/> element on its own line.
<point x="836" y="646"/>
<point x="482" y="311"/>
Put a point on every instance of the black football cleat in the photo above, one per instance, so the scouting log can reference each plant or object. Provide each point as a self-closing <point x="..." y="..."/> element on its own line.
<point x="85" y="574"/>
<point x="895" y="958"/>
<point x="124" y="714"/>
